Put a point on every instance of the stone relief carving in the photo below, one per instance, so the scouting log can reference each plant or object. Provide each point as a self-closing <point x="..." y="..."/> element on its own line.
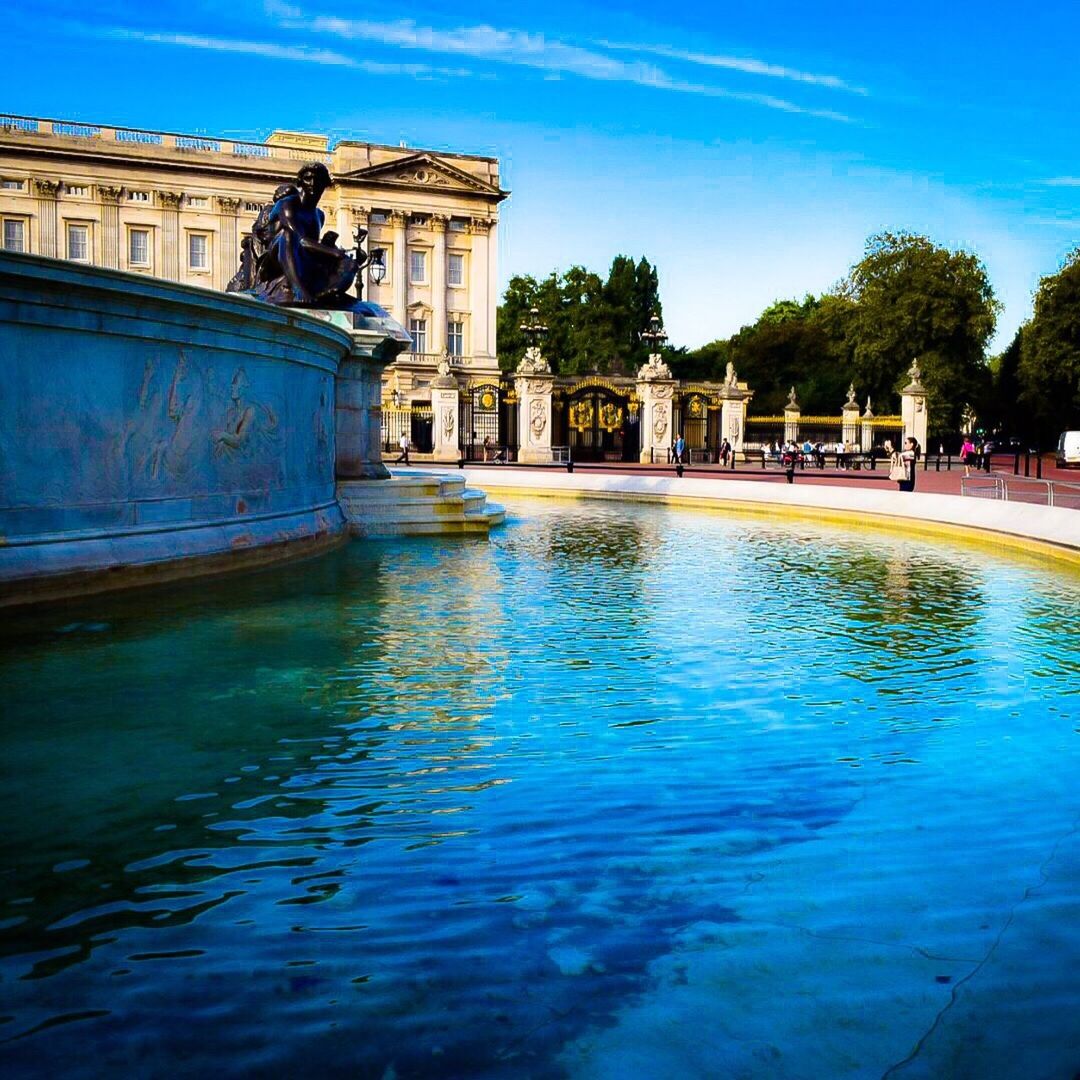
<point x="538" y="386"/>
<point x="660" y="423"/>
<point x="448" y="424"/>
<point x="537" y="418"/>
<point x="109" y="194"/>
<point x="46" y="189"/>
<point x="228" y="206"/>
<point x="170" y="200"/>
<point x="533" y="363"/>
<point x="654" y="369"/>
<point x="662" y="392"/>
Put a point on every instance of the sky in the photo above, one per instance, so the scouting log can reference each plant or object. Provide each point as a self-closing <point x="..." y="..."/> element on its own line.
<point x="747" y="149"/>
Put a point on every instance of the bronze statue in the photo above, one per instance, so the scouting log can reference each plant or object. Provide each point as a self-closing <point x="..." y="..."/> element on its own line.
<point x="288" y="260"/>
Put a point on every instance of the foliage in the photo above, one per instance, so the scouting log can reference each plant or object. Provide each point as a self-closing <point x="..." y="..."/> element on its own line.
<point x="1048" y="367"/>
<point x="593" y="324"/>
<point x="912" y="299"/>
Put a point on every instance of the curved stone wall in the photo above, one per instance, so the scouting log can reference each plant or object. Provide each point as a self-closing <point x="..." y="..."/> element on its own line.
<point x="152" y="430"/>
<point x="1048" y="531"/>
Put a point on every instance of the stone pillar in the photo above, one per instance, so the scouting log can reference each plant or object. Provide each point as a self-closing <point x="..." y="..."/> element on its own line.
<point x="533" y="383"/>
<point x="866" y="444"/>
<point x="850" y="419"/>
<point x="110" y="225"/>
<point x="169" y="201"/>
<point x="445" y="402"/>
<point x="399" y="280"/>
<point x="437" y="330"/>
<point x="792" y="413"/>
<point x="48" y="241"/>
<point x="228" y="249"/>
<point x="492" y="283"/>
<point x="481" y="344"/>
<point x="913" y="407"/>
<point x="734" y="397"/>
<point x="656" y="393"/>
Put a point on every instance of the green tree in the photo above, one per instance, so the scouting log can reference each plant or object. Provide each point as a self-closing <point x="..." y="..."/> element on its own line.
<point x="1048" y="369"/>
<point x="911" y="298"/>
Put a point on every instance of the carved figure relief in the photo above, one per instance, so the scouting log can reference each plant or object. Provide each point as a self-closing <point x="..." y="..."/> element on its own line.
<point x="537" y="419"/>
<point x="660" y="423"/>
<point x="448" y="424"/>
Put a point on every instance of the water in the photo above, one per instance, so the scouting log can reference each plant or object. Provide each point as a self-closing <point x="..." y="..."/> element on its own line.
<point x="625" y="791"/>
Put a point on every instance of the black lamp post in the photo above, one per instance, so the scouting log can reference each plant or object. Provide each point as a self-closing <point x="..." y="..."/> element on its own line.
<point x="533" y="329"/>
<point x="655" y="336"/>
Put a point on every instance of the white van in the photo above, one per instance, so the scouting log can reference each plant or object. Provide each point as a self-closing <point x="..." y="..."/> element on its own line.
<point x="1068" y="451"/>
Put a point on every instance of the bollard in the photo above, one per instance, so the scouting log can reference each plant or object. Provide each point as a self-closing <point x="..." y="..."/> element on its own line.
<point x="1038" y="465"/>
<point x="679" y="469"/>
<point x="569" y="466"/>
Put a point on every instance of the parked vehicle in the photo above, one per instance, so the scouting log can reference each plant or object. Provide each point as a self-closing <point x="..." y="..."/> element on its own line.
<point x="1068" y="451"/>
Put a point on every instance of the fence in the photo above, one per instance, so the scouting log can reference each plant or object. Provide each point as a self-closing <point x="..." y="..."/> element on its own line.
<point x="1022" y="489"/>
<point x="415" y="421"/>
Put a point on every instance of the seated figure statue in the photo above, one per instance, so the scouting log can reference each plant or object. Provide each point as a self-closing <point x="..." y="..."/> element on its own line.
<point x="294" y="265"/>
<point x="255" y="245"/>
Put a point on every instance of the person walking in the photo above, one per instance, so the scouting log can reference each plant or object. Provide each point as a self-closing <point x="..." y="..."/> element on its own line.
<point x="725" y="453"/>
<point x="897" y="472"/>
<point x="403" y="443"/>
<point x="909" y="458"/>
<point x="680" y="449"/>
<point x="967" y="454"/>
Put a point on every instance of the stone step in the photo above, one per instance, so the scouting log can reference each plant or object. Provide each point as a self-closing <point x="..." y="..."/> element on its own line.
<point x="417" y="504"/>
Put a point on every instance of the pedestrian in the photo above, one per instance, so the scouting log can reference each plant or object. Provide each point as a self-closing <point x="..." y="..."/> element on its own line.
<point x="725" y="453"/>
<point x="680" y="449"/>
<point x="791" y="454"/>
<point x="909" y="458"/>
<point x="967" y="454"/>
<point x="403" y="442"/>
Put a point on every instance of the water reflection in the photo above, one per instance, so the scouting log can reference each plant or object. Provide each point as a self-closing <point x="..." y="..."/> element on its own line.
<point x="434" y="807"/>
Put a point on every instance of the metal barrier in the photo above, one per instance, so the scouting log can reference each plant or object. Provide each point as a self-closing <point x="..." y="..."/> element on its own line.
<point x="1022" y="489"/>
<point x="701" y="457"/>
<point x="560" y="453"/>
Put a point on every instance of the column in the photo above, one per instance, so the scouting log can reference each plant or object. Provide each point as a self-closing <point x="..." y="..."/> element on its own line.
<point x="437" y="331"/>
<point x="48" y="241"/>
<point x="792" y="413"/>
<point x="913" y="407"/>
<point x="110" y="225"/>
<point x="492" y="283"/>
<point x="656" y="394"/>
<point x="169" y="201"/>
<point x="849" y="425"/>
<point x="445" y="402"/>
<point x="481" y="344"/>
<point x="866" y="443"/>
<point x="228" y="240"/>
<point x="733" y="422"/>
<point x="399" y="282"/>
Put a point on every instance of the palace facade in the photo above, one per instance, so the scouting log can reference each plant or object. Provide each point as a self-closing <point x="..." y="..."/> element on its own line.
<point x="176" y="207"/>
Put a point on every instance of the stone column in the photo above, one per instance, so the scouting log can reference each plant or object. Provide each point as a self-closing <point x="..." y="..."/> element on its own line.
<point x="792" y="413"/>
<point x="481" y="344"/>
<point x="734" y="397"/>
<point x="913" y="407"/>
<point x="445" y="401"/>
<point x="867" y="442"/>
<point x="399" y="281"/>
<point x="48" y="241"/>
<point x="492" y="283"/>
<point x="437" y="330"/>
<point x="849" y="419"/>
<point x="169" y="201"/>
<point x="533" y="382"/>
<point x="228" y="239"/>
<point x="110" y="225"/>
<point x="656" y="392"/>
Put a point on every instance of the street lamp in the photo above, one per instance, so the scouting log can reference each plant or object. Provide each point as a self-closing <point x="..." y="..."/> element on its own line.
<point x="533" y="329"/>
<point x="377" y="265"/>
<point x="655" y="336"/>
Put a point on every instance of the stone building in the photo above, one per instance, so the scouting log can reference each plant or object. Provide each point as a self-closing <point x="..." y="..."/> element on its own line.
<point x="176" y="207"/>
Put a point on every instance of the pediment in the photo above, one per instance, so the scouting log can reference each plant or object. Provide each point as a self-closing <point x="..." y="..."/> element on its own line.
<point x="424" y="171"/>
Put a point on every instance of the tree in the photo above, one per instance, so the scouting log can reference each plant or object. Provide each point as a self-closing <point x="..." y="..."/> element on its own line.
<point x="912" y="299"/>
<point x="1048" y="370"/>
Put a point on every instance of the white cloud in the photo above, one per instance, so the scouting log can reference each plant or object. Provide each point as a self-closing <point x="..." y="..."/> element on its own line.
<point x="1063" y="181"/>
<point x="747" y="64"/>
<point x="535" y="51"/>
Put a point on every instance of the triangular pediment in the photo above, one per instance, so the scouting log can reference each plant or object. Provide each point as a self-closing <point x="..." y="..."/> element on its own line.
<point x="423" y="171"/>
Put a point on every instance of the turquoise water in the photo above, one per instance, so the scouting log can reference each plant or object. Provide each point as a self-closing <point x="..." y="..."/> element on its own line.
<point x="625" y="791"/>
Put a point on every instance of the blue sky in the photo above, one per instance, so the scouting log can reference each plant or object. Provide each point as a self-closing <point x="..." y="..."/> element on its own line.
<point x="748" y="149"/>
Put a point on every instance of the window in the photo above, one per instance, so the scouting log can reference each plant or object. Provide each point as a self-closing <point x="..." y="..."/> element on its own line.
<point x="418" y="267"/>
<point x="78" y="243"/>
<point x="418" y="329"/>
<point x="458" y="224"/>
<point x="455" y="270"/>
<point x="14" y="234"/>
<point x="198" y="202"/>
<point x="418" y="219"/>
<point x="139" y="196"/>
<point x="78" y="191"/>
<point x="198" y="249"/>
<point x="455" y="338"/>
<point x="139" y="247"/>
<point x="252" y="207"/>
<point x="11" y="185"/>
<point x="378" y="217"/>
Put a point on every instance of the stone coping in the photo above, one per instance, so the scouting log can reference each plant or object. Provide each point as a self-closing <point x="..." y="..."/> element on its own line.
<point x="1050" y="532"/>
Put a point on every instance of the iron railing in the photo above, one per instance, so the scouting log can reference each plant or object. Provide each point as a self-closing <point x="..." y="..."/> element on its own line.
<point x="1021" y="489"/>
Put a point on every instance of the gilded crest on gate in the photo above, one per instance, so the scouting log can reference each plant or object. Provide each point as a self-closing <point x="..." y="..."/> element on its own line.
<point x="581" y="415"/>
<point x="610" y="416"/>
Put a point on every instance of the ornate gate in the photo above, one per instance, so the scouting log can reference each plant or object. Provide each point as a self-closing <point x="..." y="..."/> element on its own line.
<point x="598" y="423"/>
<point x="478" y="426"/>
